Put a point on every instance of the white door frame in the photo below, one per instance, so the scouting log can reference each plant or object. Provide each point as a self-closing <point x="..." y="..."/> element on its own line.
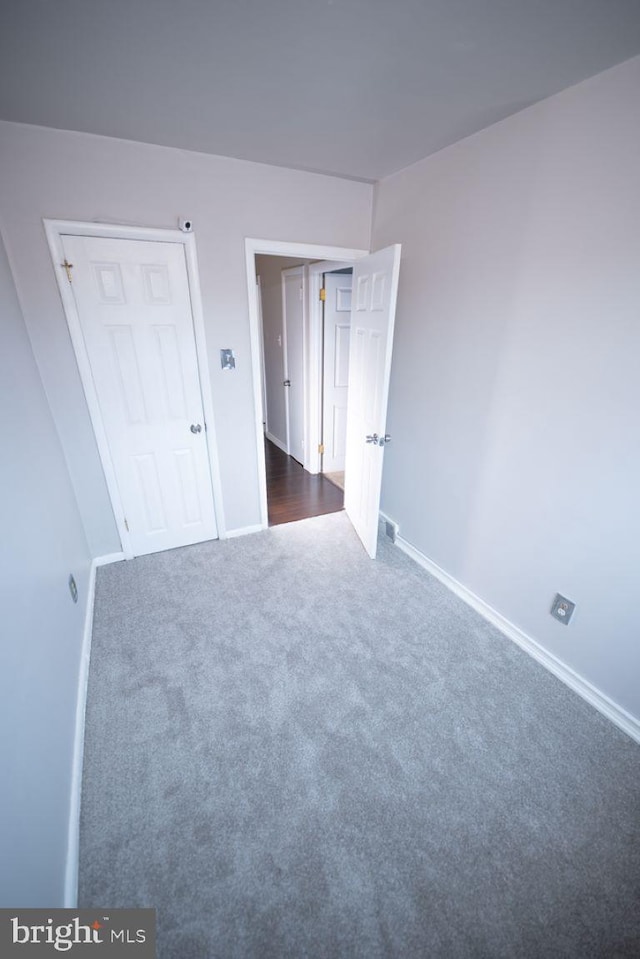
<point x="263" y="371"/>
<point x="342" y="256"/>
<point x="55" y="230"/>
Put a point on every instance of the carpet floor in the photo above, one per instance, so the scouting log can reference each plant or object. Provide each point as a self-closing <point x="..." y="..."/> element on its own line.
<point x="292" y="751"/>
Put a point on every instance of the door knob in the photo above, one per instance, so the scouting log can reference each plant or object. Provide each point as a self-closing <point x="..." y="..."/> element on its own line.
<point x="378" y="440"/>
<point x="287" y="383"/>
<point x="195" y="428"/>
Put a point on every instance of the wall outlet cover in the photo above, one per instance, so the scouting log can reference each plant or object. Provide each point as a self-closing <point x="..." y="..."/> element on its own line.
<point x="562" y="609"/>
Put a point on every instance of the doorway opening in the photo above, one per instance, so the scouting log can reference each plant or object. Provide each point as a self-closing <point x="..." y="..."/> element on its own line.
<point x="375" y="287"/>
<point x="293" y="493"/>
<point x="300" y="485"/>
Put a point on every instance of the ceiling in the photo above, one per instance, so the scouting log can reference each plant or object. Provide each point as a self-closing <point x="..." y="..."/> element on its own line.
<point x="355" y="88"/>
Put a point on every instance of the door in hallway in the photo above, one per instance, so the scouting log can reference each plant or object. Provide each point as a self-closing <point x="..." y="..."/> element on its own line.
<point x="293" y="327"/>
<point x="134" y="307"/>
<point x="337" y="331"/>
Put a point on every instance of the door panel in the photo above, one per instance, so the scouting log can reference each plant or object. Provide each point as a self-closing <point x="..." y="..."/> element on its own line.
<point x="134" y="307"/>
<point x="375" y="281"/>
<point x="337" y="335"/>
<point x="293" y="322"/>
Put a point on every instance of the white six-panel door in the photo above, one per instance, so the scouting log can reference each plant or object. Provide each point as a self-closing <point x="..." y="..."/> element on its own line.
<point x="337" y="331"/>
<point x="134" y="307"/>
<point x="375" y="288"/>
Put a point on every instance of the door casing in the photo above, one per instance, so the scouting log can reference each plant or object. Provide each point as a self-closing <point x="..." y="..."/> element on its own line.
<point x="54" y="230"/>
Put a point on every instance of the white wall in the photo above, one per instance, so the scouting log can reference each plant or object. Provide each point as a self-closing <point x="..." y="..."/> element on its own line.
<point x="41" y="629"/>
<point x="270" y="268"/>
<point x="51" y="173"/>
<point x="515" y="393"/>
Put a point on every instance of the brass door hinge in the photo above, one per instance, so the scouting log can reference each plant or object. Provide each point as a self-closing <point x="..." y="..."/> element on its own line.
<point x="323" y="294"/>
<point x="320" y="447"/>
<point x="68" y="267"/>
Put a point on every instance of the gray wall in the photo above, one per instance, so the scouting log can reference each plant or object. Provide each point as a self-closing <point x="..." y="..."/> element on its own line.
<point x="515" y="392"/>
<point x="53" y="173"/>
<point x="42" y="542"/>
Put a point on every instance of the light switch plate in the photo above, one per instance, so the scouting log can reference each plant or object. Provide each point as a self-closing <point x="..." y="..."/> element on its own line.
<point x="227" y="360"/>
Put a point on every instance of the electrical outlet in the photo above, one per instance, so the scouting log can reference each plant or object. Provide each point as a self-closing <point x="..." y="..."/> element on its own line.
<point x="73" y="589"/>
<point x="562" y="609"/>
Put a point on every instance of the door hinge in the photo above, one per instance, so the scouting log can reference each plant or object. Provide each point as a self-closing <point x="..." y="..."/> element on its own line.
<point x="323" y="294"/>
<point x="68" y="267"/>
<point x="126" y="524"/>
<point x="320" y="447"/>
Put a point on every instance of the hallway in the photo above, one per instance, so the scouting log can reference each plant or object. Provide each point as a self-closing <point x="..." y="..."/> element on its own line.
<point x="294" y="494"/>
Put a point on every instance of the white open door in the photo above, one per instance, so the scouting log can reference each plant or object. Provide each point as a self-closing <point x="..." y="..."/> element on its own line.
<point x="375" y="289"/>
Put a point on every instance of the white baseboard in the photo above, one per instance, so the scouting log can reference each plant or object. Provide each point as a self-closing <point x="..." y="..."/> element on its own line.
<point x="73" y="840"/>
<point x="73" y="845"/>
<point x="624" y="720"/>
<point x="108" y="558"/>
<point x="243" y="531"/>
<point x="276" y="442"/>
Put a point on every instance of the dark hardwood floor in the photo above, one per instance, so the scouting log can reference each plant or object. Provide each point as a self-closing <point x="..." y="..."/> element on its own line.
<point x="294" y="494"/>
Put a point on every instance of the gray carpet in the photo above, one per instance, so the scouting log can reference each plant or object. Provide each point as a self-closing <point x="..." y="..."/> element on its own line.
<point x="292" y="751"/>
